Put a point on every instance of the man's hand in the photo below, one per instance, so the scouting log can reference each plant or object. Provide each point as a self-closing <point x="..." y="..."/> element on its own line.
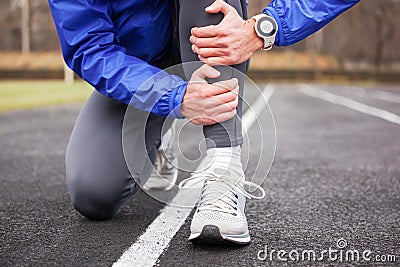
<point x="231" y="42"/>
<point x="206" y="104"/>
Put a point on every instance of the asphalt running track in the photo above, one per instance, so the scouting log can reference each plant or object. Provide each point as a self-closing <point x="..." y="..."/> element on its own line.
<point x="335" y="183"/>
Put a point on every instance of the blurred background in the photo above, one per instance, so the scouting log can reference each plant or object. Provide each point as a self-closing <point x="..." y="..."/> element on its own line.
<point x="362" y="44"/>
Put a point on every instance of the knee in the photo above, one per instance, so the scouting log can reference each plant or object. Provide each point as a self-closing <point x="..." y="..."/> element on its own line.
<point x="91" y="199"/>
<point x="92" y="207"/>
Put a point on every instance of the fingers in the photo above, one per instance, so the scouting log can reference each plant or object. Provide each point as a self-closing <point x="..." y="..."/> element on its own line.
<point x="220" y="88"/>
<point x="230" y="84"/>
<point x="225" y="102"/>
<point x="213" y="120"/>
<point x="205" y="32"/>
<point x="216" y="108"/>
<point x="203" y="72"/>
<point x="219" y="118"/>
<point x="207" y="104"/>
<point x="225" y="116"/>
<point x="221" y="104"/>
<point x="219" y="6"/>
<point x="229" y="98"/>
<point x="210" y="52"/>
<point x="207" y="42"/>
<point x="215" y="61"/>
<point x="206" y="90"/>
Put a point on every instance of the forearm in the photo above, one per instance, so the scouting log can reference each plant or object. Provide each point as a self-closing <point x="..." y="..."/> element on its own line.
<point x="127" y="79"/>
<point x="90" y="47"/>
<point x="299" y="19"/>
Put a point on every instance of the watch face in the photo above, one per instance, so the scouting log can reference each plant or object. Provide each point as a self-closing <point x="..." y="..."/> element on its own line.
<point x="267" y="26"/>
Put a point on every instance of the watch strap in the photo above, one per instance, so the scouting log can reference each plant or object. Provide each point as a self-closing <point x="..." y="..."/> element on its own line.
<point x="268" y="41"/>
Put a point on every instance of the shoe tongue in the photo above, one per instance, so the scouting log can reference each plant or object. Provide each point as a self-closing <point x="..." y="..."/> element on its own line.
<point x="215" y="195"/>
<point x="219" y="189"/>
<point x="220" y="171"/>
<point x="226" y="173"/>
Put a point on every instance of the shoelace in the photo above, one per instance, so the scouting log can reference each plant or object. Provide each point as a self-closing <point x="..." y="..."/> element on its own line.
<point x="220" y="200"/>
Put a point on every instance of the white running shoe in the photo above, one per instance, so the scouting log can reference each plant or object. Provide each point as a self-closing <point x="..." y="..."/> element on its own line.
<point x="220" y="216"/>
<point x="165" y="171"/>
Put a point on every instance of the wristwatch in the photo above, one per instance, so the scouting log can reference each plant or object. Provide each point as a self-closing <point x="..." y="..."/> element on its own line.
<point x="266" y="28"/>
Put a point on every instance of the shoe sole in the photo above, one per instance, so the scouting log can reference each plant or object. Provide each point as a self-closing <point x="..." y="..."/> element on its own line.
<point x="210" y="234"/>
<point x="170" y="184"/>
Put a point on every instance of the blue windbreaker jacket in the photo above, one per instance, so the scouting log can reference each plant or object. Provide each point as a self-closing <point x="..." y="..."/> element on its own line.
<point x="113" y="45"/>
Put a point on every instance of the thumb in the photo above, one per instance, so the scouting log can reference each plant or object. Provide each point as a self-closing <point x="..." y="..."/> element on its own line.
<point x="204" y="72"/>
<point x="219" y="6"/>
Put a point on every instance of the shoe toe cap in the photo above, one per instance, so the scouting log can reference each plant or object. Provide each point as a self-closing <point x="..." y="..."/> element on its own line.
<point x="227" y="223"/>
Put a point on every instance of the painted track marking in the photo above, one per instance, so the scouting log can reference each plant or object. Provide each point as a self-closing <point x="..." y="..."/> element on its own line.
<point x="349" y="103"/>
<point x="374" y="94"/>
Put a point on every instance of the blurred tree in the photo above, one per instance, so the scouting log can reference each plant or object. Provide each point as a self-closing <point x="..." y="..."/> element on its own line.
<point x="24" y="5"/>
<point x="365" y="37"/>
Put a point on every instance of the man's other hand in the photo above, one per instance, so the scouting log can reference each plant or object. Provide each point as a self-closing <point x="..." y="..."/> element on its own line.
<point x="206" y="104"/>
<point x="231" y="42"/>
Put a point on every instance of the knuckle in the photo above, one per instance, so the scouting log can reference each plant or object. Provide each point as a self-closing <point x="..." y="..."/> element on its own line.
<point x="226" y="51"/>
<point x="208" y="91"/>
<point x="232" y="84"/>
<point x="228" y="31"/>
<point x="203" y="52"/>
<point x="219" y="31"/>
<point x="235" y="104"/>
<point x="234" y="88"/>
<point x="230" y="106"/>
<point x="202" y="94"/>
<point x="228" y="97"/>
<point x="219" y="42"/>
<point x="217" y="87"/>
<point x="235" y="98"/>
<point x="233" y="58"/>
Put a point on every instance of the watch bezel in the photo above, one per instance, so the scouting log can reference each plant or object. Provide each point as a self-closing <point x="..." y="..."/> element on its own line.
<point x="272" y="21"/>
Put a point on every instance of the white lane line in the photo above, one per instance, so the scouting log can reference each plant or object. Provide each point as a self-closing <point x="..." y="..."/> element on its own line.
<point x="374" y="94"/>
<point x="152" y="243"/>
<point x="155" y="240"/>
<point x="349" y="103"/>
<point x="250" y="116"/>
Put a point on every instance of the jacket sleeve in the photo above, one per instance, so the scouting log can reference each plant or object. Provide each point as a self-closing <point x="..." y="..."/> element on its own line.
<point x="89" y="44"/>
<point x="299" y="19"/>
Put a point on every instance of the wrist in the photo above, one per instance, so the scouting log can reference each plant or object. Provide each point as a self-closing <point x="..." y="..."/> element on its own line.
<point x="176" y="100"/>
<point x="257" y="41"/>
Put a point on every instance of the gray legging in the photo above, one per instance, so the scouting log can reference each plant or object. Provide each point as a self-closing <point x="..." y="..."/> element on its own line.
<point x="98" y="178"/>
<point x="191" y="14"/>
